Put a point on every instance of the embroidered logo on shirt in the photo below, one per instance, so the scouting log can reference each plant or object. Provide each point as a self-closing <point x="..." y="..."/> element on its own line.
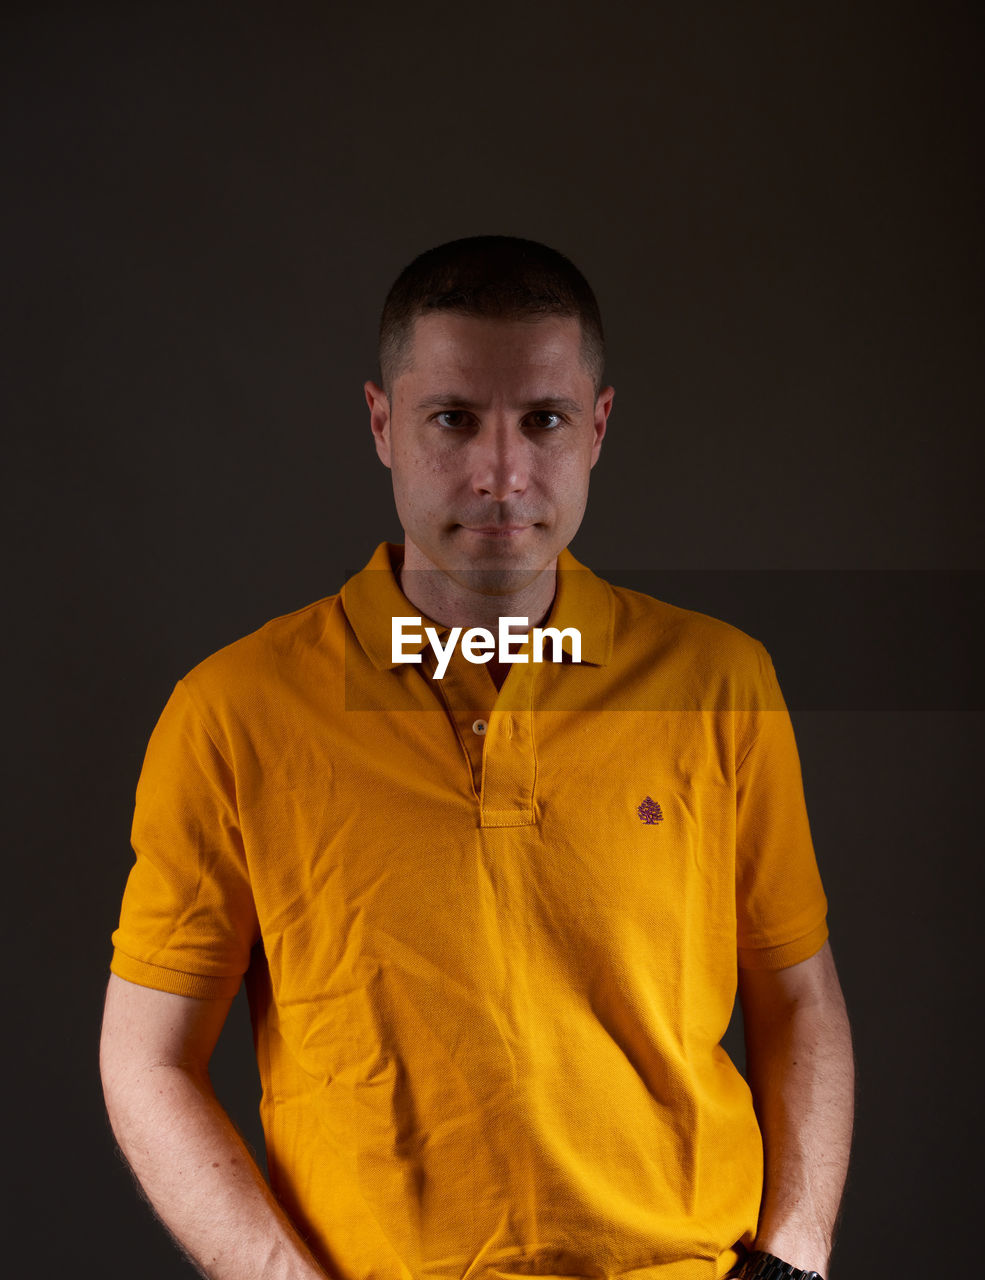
<point x="650" y="812"/>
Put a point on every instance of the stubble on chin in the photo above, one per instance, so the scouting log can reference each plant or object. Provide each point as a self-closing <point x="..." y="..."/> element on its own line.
<point x="499" y="569"/>
<point x="442" y="574"/>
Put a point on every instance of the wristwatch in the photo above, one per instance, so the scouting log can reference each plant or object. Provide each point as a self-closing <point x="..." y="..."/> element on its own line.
<point x="766" y="1266"/>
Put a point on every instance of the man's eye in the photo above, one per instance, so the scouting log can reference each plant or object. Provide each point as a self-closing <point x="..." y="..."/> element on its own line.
<point x="546" y="418"/>
<point x="455" y="418"/>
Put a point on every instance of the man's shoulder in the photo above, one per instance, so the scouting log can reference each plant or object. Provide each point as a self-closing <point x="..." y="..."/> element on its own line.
<point x="288" y="642"/>
<point x="712" y="658"/>
<point x="654" y="620"/>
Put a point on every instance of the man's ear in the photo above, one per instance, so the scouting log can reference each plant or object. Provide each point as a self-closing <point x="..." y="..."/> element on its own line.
<point x="379" y="419"/>
<point x="603" y="405"/>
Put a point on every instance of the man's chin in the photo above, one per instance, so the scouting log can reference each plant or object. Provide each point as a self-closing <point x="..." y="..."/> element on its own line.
<point x="489" y="567"/>
<point x="500" y="566"/>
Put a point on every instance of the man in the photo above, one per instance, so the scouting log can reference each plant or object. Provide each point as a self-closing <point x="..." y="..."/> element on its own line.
<point x="491" y="911"/>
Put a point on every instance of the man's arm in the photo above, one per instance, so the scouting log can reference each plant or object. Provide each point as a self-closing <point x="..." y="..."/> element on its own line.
<point x="181" y="1144"/>
<point x="801" y="1072"/>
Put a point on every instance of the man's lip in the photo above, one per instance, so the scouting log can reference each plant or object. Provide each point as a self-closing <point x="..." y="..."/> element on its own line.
<point x="497" y="530"/>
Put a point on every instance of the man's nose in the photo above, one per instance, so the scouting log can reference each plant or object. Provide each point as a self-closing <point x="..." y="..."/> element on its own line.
<point x="500" y="466"/>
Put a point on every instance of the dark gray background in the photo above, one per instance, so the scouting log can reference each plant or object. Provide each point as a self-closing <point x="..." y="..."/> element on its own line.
<point x="780" y="208"/>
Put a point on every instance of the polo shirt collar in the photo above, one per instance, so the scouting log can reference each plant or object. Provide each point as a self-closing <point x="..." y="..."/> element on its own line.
<point x="372" y="598"/>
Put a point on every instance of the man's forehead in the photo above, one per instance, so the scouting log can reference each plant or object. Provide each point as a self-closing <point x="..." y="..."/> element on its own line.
<point x="451" y="352"/>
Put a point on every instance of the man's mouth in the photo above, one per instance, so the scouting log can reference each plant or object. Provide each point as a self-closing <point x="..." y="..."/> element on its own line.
<point x="497" y="530"/>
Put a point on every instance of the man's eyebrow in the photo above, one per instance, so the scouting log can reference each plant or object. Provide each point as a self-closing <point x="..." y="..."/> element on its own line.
<point x="463" y="402"/>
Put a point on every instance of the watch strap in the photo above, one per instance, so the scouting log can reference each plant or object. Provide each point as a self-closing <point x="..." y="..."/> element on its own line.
<point x="760" y="1265"/>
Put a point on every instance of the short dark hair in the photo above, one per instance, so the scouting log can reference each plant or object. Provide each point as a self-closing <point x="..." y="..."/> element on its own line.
<point x="494" y="277"/>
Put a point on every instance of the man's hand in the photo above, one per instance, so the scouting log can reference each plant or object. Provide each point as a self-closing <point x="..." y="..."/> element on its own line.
<point x="801" y="1073"/>
<point x="192" y="1164"/>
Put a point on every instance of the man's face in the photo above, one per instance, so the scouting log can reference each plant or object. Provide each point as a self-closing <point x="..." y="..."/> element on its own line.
<point x="491" y="434"/>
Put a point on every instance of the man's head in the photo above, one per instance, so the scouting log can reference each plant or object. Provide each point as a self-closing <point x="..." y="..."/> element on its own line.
<point x="492" y="278"/>
<point x="491" y="414"/>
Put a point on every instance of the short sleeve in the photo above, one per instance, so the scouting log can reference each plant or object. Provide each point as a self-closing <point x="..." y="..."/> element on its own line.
<point x="780" y="902"/>
<point x="188" y="920"/>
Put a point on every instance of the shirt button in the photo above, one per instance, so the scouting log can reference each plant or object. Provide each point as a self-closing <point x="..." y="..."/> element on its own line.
<point x="479" y="727"/>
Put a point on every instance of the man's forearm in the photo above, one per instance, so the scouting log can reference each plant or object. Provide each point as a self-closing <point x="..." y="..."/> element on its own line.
<point x="801" y="1073"/>
<point x="201" y="1179"/>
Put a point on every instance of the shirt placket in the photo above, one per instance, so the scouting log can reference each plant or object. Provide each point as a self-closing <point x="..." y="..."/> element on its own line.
<point x="495" y="728"/>
<point x="468" y="695"/>
<point x="509" y="759"/>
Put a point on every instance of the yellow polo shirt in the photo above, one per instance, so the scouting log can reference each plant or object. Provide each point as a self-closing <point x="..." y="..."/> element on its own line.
<point x="490" y="939"/>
